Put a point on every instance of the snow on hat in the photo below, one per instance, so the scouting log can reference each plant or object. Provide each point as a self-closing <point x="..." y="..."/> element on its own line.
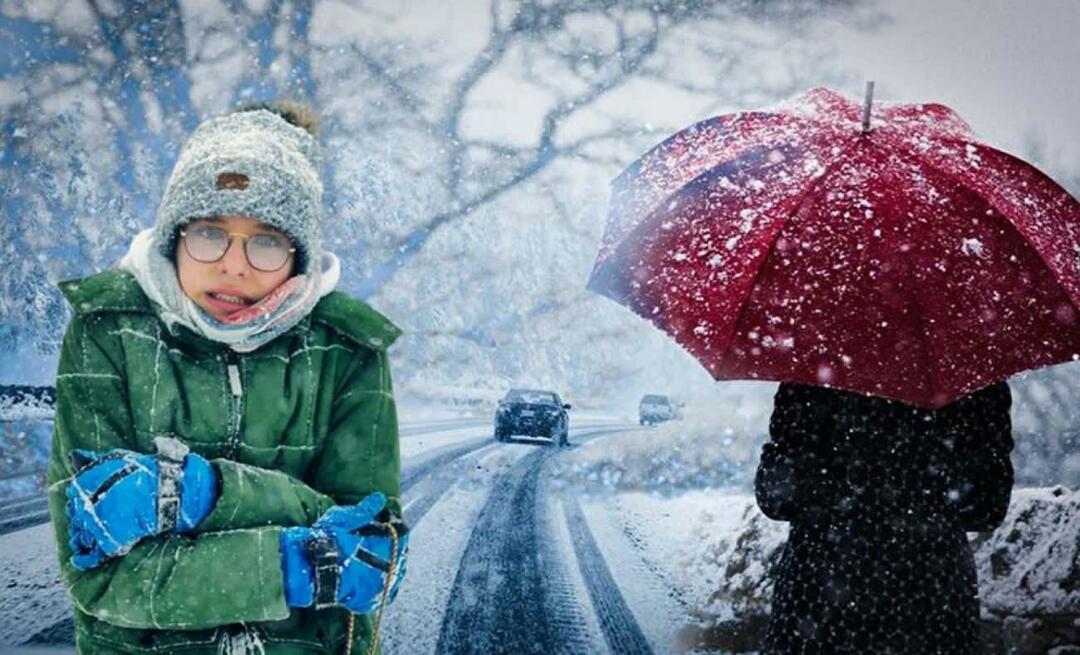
<point x="249" y="163"/>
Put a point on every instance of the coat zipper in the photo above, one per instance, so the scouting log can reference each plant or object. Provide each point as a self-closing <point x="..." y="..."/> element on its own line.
<point x="232" y="370"/>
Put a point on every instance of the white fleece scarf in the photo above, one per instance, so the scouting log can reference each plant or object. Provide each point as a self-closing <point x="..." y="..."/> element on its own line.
<point x="271" y="316"/>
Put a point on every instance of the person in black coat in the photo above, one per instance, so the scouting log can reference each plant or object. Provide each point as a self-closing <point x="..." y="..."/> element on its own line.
<point x="879" y="495"/>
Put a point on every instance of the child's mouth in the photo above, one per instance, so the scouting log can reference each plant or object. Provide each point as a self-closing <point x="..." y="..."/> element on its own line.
<point x="226" y="301"/>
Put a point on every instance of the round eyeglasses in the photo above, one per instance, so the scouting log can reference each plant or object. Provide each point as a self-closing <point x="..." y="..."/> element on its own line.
<point x="264" y="252"/>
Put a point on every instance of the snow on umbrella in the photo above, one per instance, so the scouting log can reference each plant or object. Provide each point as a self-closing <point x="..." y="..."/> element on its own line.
<point x="892" y="253"/>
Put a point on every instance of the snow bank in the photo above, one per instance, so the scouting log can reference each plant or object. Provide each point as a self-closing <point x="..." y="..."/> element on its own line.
<point x="1029" y="572"/>
<point x="1029" y="568"/>
<point x="1031" y="564"/>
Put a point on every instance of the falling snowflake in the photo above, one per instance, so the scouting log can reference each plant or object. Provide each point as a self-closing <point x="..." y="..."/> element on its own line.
<point x="972" y="246"/>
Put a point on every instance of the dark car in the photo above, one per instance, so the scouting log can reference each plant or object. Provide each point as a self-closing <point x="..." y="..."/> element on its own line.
<point x="534" y="413"/>
<point x="656" y="408"/>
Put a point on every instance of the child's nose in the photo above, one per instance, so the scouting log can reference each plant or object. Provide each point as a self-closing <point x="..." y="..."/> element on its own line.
<point x="234" y="262"/>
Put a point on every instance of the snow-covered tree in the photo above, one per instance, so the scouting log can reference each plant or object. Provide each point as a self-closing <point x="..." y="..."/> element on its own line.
<point x="468" y="149"/>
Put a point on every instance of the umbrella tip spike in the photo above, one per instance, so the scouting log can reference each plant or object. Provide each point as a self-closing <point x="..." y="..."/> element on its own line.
<point x="866" y="106"/>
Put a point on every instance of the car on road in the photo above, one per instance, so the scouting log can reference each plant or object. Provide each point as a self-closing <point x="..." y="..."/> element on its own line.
<point x="656" y="408"/>
<point x="532" y="412"/>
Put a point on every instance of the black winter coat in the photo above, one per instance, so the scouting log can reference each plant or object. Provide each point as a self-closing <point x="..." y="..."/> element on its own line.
<point x="879" y="495"/>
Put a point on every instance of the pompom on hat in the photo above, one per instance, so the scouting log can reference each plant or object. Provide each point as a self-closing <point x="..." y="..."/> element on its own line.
<point x="249" y="163"/>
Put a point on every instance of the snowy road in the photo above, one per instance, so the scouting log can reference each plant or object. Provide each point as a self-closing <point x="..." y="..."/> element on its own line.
<point x="503" y="558"/>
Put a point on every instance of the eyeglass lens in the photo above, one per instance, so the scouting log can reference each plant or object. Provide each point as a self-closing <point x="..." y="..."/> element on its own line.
<point x="265" y="252"/>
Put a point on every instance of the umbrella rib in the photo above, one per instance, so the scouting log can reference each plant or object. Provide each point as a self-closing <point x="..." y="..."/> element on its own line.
<point x="811" y="188"/>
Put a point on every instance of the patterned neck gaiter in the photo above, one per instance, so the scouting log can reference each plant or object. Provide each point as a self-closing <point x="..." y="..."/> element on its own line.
<point x="249" y="328"/>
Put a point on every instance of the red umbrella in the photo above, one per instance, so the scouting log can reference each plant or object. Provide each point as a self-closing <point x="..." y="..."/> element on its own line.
<point x="893" y="255"/>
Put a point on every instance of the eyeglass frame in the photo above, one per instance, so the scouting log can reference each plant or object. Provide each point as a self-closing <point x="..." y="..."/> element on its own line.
<point x="229" y="236"/>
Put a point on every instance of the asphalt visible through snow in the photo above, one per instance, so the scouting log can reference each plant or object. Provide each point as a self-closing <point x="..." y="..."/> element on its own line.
<point x="511" y="593"/>
<point x="502" y="559"/>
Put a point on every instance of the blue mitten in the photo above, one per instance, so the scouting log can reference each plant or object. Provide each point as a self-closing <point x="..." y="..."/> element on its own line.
<point x="343" y="558"/>
<point x="119" y="497"/>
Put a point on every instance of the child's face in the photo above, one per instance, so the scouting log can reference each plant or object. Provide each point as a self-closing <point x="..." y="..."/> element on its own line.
<point x="230" y="283"/>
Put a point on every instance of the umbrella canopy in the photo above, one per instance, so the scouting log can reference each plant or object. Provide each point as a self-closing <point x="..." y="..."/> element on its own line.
<point x="904" y="259"/>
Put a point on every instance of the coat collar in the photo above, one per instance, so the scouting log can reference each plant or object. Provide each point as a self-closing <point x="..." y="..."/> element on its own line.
<point x="115" y="290"/>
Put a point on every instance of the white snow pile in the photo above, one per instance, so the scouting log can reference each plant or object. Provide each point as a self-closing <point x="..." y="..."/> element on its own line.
<point x="735" y="614"/>
<point x="1029" y="572"/>
<point x="1031" y="564"/>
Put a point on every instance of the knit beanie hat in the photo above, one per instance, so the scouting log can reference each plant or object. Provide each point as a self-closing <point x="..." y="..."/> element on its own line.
<point x="254" y="164"/>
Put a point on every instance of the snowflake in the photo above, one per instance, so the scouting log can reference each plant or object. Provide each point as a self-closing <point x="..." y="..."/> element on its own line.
<point x="972" y="246"/>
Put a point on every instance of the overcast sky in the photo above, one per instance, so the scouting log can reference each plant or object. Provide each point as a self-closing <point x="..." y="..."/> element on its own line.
<point x="1006" y="67"/>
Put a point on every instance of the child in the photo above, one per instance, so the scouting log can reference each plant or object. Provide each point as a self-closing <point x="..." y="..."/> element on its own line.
<point x="879" y="495"/>
<point x="225" y="473"/>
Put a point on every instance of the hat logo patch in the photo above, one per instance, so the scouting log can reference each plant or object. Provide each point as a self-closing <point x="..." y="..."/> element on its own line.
<point x="236" y="181"/>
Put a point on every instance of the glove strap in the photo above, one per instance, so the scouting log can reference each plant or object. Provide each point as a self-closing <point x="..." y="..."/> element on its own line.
<point x="323" y="554"/>
<point x="170" y="455"/>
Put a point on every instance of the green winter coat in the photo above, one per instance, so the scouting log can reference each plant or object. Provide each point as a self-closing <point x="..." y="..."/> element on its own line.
<point x="305" y="422"/>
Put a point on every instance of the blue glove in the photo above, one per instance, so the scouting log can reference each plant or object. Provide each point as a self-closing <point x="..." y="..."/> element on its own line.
<point x="115" y="499"/>
<point x="376" y="549"/>
<point x="344" y="558"/>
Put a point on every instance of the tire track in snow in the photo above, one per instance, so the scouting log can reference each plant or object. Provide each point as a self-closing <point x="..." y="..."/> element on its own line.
<point x="429" y="485"/>
<point x="499" y="588"/>
<point x="511" y="593"/>
<point x="439" y="458"/>
<point x="621" y="630"/>
<point x="416" y="507"/>
<point x="16" y="505"/>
